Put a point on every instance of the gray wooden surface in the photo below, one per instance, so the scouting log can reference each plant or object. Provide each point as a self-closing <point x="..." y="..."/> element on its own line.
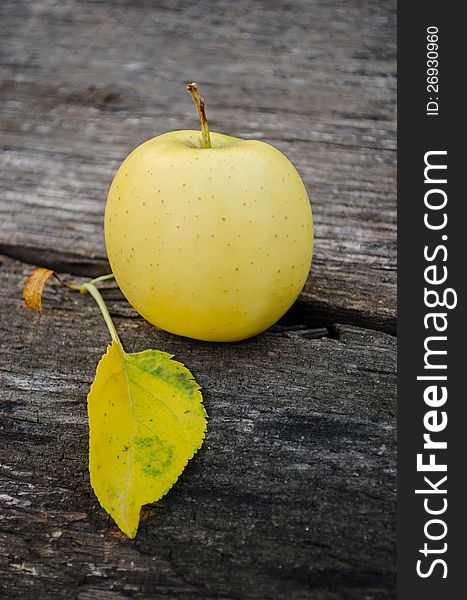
<point x="293" y="493"/>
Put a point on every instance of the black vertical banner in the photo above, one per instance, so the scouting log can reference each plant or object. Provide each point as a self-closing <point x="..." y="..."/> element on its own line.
<point x="432" y="223"/>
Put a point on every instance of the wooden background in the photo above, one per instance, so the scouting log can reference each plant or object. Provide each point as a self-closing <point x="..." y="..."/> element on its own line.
<point x="293" y="493"/>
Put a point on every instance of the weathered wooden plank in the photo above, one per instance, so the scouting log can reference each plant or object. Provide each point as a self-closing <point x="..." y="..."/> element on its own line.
<point x="83" y="83"/>
<point x="292" y="495"/>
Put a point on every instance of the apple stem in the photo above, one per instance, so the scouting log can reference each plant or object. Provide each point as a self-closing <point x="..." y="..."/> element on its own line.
<point x="193" y="89"/>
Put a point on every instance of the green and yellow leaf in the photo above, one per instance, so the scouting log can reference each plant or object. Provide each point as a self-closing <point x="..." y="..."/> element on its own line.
<point x="146" y="421"/>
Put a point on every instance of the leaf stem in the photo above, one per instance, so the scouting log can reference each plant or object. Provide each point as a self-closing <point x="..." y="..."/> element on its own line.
<point x="102" y="278"/>
<point x="91" y="288"/>
<point x="193" y="89"/>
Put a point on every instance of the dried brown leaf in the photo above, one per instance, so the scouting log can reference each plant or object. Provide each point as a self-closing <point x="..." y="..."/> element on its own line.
<point x="33" y="287"/>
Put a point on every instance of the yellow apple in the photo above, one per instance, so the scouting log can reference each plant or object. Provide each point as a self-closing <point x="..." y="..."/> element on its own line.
<point x="209" y="236"/>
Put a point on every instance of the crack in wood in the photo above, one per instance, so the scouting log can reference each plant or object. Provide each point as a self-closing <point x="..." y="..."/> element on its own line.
<point x="311" y="314"/>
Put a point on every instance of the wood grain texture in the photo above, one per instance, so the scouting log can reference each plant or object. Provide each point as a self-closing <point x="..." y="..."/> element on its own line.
<point x="292" y="495"/>
<point x="86" y="82"/>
